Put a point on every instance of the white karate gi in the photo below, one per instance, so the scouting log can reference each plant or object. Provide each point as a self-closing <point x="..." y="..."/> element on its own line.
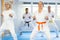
<point x="52" y="21"/>
<point x="8" y="23"/>
<point x="40" y="17"/>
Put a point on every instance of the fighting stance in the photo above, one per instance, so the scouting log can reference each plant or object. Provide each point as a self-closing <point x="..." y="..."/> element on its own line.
<point x="27" y="17"/>
<point x="8" y="24"/>
<point x="41" y="24"/>
<point x="51" y="16"/>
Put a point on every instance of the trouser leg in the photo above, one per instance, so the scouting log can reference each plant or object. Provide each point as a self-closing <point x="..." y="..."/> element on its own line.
<point x="13" y="34"/>
<point x="34" y="33"/>
<point x="47" y="31"/>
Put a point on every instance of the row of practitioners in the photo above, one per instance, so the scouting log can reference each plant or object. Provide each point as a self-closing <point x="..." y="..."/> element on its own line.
<point x="41" y="16"/>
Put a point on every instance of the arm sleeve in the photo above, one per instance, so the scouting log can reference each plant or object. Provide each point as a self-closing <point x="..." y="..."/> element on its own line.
<point x="14" y="15"/>
<point x="53" y="14"/>
<point x="3" y="12"/>
<point x="23" y="16"/>
<point x="34" y="15"/>
<point x="46" y="15"/>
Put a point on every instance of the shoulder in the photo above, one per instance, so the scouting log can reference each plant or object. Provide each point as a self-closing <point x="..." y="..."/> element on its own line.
<point x="35" y="13"/>
<point x="52" y="13"/>
<point x="29" y="14"/>
<point x="24" y="14"/>
<point x="3" y="12"/>
<point x="45" y="12"/>
<point x="12" y="10"/>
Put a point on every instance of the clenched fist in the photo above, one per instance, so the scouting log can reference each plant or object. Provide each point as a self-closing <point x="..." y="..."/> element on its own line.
<point x="46" y="17"/>
<point x="10" y="15"/>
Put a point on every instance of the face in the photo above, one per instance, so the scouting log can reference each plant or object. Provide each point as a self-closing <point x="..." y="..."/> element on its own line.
<point x="40" y="5"/>
<point x="26" y="11"/>
<point x="49" y="8"/>
<point x="7" y="5"/>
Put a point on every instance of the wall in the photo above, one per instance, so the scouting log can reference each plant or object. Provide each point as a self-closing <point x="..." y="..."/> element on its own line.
<point x="40" y="0"/>
<point x="0" y="12"/>
<point x="18" y="8"/>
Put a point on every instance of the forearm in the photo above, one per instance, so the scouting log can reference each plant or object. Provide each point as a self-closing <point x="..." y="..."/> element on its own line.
<point x="10" y="15"/>
<point x="46" y="18"/>
<point x="34" y="18"/>
<point x="23" y="17"/>
<point x="1" y="14"/>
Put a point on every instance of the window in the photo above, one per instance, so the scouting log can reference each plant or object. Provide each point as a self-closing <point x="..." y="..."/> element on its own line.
<point x="58" y="11"/>
<point x="26" y="6"/>
<point x="0" y="12"/>
<point x="21" y="9"/>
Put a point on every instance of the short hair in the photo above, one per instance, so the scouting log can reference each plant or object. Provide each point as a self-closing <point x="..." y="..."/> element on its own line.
<point x="41" y="2"/>
<point x="8" y="4"/>
<point x="26" y="8"/>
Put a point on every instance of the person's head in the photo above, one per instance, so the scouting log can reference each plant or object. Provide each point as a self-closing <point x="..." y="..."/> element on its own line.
<point x="7" y="5"/>
<point x="40" y="5"/>
<point x="26" y="10"/>
<point x="49" y="9"/>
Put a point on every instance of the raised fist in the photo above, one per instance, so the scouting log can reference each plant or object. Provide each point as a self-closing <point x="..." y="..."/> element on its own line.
<point x="10" y="15"/>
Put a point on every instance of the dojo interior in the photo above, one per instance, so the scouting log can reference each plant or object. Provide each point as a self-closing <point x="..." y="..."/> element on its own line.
<point x="19" y="7"/>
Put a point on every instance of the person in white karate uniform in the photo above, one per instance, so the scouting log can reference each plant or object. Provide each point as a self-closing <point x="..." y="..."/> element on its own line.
<point x="51" y="16"/>
<point x="8" y="17"/>
<point x="41" y="25"/>
<point x="27" y="17"/>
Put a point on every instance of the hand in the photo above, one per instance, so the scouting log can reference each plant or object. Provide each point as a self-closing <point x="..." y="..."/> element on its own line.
<point x="52" y="16"/>
<point x="23" y="17"/>
<point x="46" y="17"/>
<point x="34" y="18"/>
<point x="29" y="17"/>
<point x="10" y="15"/>
<point x="1" y="14"/>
